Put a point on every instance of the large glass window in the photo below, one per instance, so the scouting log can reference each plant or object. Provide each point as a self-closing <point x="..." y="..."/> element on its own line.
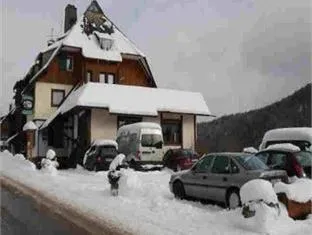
<point x="172" y="132"/>
<point x="56" y="97"/>
<point x="221" y="165"/>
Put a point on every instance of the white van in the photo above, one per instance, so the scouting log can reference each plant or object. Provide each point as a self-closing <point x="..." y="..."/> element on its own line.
<point x="299" y="136"/>
<point x="141" y="142"/>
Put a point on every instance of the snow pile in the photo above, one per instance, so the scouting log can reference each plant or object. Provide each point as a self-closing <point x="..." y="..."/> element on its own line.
<point x="260" y="204"/>
<point x="250" y="150"/>
<point x="50" y="154"/>
<point x="299" y="191"/>
<point x="118" y="160"/>
<point x="257" y="189"/>
<point x="284" y="147"/>
<point x="48" y="165"/>
<point x="30" y="126"/>
<point x="18" y="162"/>
<point x="145" y="204"/>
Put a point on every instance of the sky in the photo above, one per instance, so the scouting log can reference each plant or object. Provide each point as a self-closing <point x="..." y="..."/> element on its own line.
<point x="240" y="54"/>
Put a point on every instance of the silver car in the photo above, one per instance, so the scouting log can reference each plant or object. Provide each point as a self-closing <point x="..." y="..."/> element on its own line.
<point x="219" y="176"/>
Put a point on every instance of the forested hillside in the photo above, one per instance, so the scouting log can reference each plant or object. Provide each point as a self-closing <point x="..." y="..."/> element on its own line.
<point x="236" y="131"/>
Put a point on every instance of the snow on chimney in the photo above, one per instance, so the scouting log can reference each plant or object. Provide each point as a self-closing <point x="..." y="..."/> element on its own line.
<point x="70" y="17"/>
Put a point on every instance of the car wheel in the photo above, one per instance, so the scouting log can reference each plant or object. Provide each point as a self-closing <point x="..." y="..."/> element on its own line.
<point x="178" y="190"/>
<point x="233" y="199"/>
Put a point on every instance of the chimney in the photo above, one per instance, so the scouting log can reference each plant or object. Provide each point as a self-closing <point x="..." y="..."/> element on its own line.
<point x="70" y="17"/>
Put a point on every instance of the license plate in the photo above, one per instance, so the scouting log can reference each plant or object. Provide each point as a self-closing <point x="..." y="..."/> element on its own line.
<point x="274" y="181"/>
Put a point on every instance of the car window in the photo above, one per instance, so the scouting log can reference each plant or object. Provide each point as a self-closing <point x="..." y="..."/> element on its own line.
<point x="250" y="162"/>
<point x="234" y="167"/>
<point x="263" y="157"/>
<point x="304" y="158"/>
<point x="278" y="159"/>
<point x="104" y="150"/>
<point x="221" y="165"/>
<point x="203" y="165"/>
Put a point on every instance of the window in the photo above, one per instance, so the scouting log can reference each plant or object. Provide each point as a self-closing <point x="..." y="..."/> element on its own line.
<point x="263" y="157"/>
<point x="69" y="63"/>
<point x="234" y="167"/>
<point x="56" y="97"/>
<point x="150" y="140"/>
<point x="66" y="63"/>
<point x="172" y="132"/>
<point x="250" y="162"/>
<point x="203" y="164"/>
<point x="102" y="78"/>
<point x="110" y="78"/>
<point x="278" y="159"/>
<point x="89" y="76"/>
<point x="125" y="120"/>
<point x="221" y="165"/>
<point x="107" y="78"/>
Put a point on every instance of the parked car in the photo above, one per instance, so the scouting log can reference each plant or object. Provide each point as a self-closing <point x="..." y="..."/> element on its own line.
<point x="294" y="162"/>
<point x="180" y="159"/>
<point x="100" y="154"/>
<point x="219" y="176"/>
<point x="141" y="142"/>
<point x="299" y="136"/>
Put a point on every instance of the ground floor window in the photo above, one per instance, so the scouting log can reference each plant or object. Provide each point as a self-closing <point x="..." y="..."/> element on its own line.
<point x="125" y="120"/>
<point x="172" y="131"/>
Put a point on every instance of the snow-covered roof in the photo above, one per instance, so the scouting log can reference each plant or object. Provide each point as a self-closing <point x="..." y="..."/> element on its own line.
<point x="284" y="147"/>
<point x="133" y="100"/>
<point x="30" y="125"/>
<point x="101" y="142"/>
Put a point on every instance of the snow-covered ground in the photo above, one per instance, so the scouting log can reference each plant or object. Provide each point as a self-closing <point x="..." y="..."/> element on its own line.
<point x="144" y="205"/>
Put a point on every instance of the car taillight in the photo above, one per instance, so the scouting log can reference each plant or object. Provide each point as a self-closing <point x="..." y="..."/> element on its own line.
<point x="98" y="159"/>
<point x="298" y="169"/>
<point x="138" y="155"/>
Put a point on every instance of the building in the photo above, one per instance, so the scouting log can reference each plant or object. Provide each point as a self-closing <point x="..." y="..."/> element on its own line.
<point x="92" y="80"/>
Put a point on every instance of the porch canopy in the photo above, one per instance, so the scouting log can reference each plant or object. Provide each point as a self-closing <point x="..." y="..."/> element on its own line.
<point x="132" y="100"/>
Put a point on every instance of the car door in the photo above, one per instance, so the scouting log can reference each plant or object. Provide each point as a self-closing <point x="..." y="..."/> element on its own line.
<point x="219" y="178"/>
<point x="196" y="182"/>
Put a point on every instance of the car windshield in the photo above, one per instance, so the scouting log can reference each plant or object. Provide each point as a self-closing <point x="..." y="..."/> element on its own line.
<point x="150" y="140"/>
<point x="105" y="150"/>
<point x="304" y="158"/>
<point x="251" y="162"/>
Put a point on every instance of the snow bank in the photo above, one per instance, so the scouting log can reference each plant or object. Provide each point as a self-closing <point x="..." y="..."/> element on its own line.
<point x="145" y="204"/>
<point x="30" y="125"/>
<point x="299" y="191"/>
<point x="284" y="147"/>
<point x="18" y="162"/>
<point x="257" y="189"/>
<point x="250" y="150"/>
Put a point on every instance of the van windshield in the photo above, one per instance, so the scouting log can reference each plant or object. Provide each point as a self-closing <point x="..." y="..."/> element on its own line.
<point x="150" y="140"/>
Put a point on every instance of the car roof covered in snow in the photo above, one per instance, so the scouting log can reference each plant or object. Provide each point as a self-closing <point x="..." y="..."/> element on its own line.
<point x="104" y="142"/>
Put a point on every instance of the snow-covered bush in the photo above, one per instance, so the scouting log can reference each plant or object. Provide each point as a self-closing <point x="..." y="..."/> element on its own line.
<point x="299" y="191"/>
<point x="260" y="205"/>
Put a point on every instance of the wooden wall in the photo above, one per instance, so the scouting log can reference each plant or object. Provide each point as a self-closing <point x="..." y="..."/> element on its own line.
<point x="128" y="72"/>
<point x="55" y="75"/>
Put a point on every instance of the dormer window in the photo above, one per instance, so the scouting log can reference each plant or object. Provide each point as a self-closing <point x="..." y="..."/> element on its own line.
<point x="105" y="40"/>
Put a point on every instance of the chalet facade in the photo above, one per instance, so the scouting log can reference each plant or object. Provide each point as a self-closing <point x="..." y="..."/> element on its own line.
<point x="91" y="80"/>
